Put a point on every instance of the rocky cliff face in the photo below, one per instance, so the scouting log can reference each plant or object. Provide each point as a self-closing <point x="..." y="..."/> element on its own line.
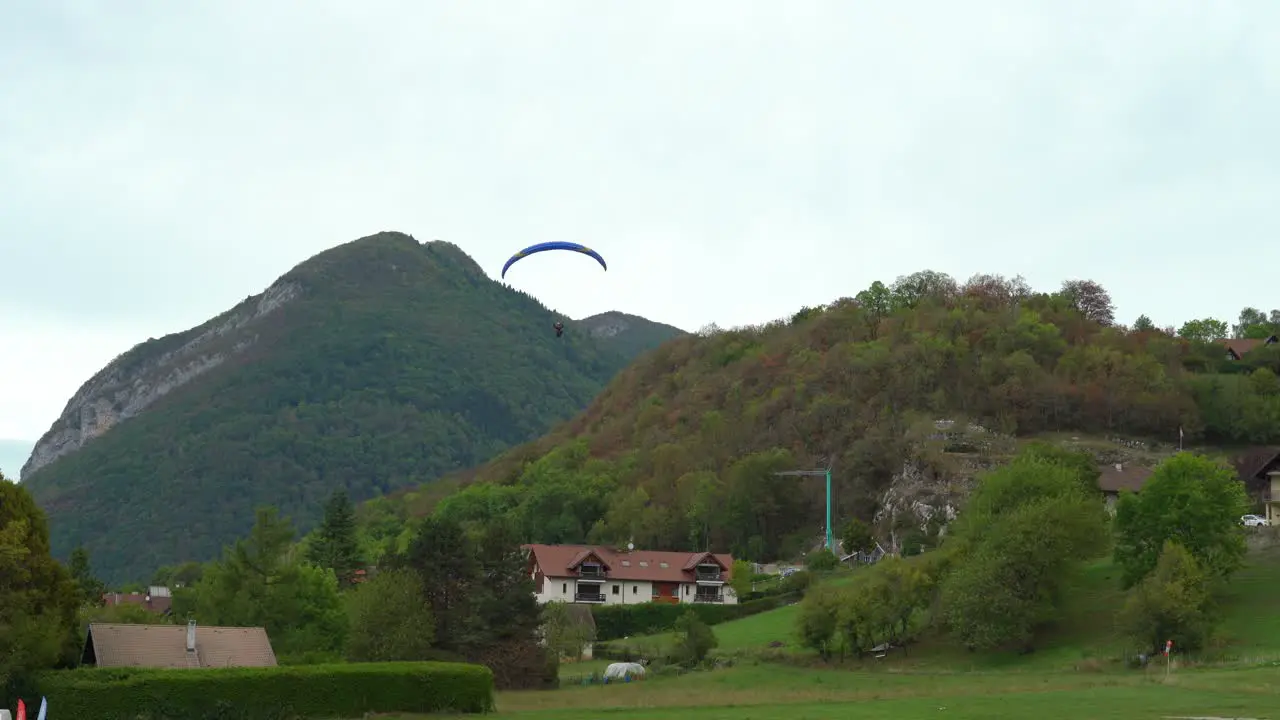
<point x="151" y="370"/>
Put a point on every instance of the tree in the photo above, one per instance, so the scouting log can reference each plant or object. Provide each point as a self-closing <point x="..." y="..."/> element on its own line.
<point x="1025" y="532"/>
<point x="1252" y="323"/>
<point x="1143" y="324"/>
<point x="1173" y="603"/>
<point x="857" y="537"/>
<point x="1090" y="299"/>
<point x="908" y="291"/>
<point x="389" y="619"/>
<point x="742" y="578"/>
<point x="694" y="639"/>
<point x="91" y="588"/>
<point x="816" y="623"/>
<point x="1191" y="500"/>
<point x="564" y="630"/>
<point x="38" y="598"/>
<point x="257" y="584"/>
<point x="822" y="560"/>
<point x="1205" y="330"/>
<point x="335" y="544"/>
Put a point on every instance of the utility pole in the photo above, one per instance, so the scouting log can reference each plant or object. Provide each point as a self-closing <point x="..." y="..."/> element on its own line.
<point x="826" y="472"/>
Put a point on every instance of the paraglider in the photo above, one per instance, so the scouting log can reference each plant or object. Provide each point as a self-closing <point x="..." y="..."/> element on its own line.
<point x="554" y="245"/>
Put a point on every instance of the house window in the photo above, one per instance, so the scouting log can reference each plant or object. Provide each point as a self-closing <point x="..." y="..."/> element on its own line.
<point x="564" y="588"/>
<point x="663" y="564"/>
<point x="626" y="563"/>
<point x="644" y="563"/>
<point x="614" y="588"/>
<point x="635" y="590"/>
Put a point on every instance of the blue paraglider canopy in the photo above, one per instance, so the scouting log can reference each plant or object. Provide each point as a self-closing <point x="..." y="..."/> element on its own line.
<point x="554" y="245"/>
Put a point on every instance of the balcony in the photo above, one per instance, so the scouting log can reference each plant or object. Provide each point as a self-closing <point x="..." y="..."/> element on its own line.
<point x="588" y="597"/>
<point x="708" y="576"/>
<point x="709" y="598"/>
<point x="591" y="571"/>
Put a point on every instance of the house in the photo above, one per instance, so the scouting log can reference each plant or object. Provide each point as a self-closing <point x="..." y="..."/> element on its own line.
<point x="600" y="575"/>
<point x="1238" y="347"/>
<point x="1118" y="477"/>
<point x="157" y="599"/>
<point x="176" y="647"/>
<point x="1258" y="470"/>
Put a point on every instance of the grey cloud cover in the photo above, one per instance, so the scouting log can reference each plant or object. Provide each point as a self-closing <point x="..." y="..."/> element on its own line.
<point x="732" y="160"/>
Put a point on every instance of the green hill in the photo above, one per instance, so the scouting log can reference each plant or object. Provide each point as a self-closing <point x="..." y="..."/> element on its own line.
<point x="909" y="390"/>
<point x="377" y="364"/>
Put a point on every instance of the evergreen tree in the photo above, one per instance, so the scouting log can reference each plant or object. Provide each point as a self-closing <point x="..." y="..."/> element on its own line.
<point x="335" y="545"/>
<point x="91" y="588"/>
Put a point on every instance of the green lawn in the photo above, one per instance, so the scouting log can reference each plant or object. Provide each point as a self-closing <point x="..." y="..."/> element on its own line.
<point x="767" y="692"/>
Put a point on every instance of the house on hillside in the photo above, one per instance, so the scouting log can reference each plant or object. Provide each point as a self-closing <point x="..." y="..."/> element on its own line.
<point x="1259" y="470"/>
<point x="1239" y="347"/>
<point x="1118" y="477"/>
<point x="157" y="599"/>
<point x="176" y="647"/>
<point x="600" y="575"/>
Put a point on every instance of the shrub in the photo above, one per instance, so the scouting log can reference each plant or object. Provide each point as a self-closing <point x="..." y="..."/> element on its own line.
<point x="275" y="693"/>
<point x="619" y="621"/>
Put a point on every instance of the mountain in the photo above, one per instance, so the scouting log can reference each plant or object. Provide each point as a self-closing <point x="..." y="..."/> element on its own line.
<point x="13" y="453"/>
<point x="374" y="365"/>
<point x="629" y="335"/>
<point x="909" y="391"/>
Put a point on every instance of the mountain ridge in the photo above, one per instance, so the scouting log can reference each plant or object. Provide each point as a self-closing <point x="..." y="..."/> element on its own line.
<point x="374" y="364"/>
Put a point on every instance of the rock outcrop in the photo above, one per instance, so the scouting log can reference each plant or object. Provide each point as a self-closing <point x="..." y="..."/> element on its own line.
<point x="151" y="370"/>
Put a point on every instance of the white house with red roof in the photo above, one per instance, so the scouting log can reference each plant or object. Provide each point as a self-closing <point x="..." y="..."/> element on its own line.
<point x="606" y="576"/>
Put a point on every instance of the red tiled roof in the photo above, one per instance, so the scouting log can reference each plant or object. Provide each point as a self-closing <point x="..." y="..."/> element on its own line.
<point x="646" y="565"/>
<point x="1240" y="346"/>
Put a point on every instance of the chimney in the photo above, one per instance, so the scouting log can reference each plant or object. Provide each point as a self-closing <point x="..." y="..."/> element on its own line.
<point x="191" y="636"/>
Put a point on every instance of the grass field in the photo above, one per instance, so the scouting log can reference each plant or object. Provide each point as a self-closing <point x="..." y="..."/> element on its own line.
<point x="768" y="692"/>
<point x="1076" y="674"/>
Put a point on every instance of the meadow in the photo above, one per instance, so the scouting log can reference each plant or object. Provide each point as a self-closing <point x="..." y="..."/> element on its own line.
<point x="1079" y="672"/>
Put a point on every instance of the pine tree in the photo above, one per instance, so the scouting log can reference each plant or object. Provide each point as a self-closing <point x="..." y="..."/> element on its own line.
<point x="335" y="544"/>
<point x="91" y="588"/>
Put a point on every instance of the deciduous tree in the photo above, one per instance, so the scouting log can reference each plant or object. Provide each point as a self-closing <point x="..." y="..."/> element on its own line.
<point x="1091" y="300"/>
<point x="1191" y="500"/>
<point x="1203" y="330"/>
<point x="389" y="619"/>
<point x="1173" y="603"/>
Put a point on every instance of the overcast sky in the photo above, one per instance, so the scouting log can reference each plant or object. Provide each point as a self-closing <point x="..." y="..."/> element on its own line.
<point x="732" y="160"/>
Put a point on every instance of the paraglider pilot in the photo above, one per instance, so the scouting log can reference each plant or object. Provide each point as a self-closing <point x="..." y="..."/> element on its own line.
<point x="559" y="326"/>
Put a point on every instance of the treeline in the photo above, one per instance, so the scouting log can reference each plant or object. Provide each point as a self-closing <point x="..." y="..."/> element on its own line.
<point x="681" y="449"/>
<point x="451" y="595"/>
<point x="999" y="579"/>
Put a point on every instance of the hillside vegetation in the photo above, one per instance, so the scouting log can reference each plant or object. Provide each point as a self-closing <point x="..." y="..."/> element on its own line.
<point x="387" y="363"/>
<point x="679" y="450"/>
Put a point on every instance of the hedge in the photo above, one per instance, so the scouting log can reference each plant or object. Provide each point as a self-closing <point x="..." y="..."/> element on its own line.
<point x="619" y="621"/>
<point x="272" y="693"/>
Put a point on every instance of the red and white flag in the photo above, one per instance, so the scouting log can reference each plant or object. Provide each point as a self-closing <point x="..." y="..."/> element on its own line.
<point x="1168" y="645"/>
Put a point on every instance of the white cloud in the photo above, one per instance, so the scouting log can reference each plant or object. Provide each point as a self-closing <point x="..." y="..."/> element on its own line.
<point x="731" y="160"/>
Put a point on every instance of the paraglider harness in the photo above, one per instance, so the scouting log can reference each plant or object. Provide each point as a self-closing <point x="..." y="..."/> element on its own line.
<point x="559" y="326"/>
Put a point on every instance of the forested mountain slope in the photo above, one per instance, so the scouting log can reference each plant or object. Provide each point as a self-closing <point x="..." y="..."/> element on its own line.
<point x="377" y="364"/>
<point x="679" y="450"/>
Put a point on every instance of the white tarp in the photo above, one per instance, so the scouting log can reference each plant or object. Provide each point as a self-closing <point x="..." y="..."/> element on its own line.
<point x="622" y="670"/>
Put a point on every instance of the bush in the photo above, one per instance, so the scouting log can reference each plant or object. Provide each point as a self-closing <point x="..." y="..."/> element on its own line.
<point x="276" y="693"/>
<point x="619" y="621"/>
